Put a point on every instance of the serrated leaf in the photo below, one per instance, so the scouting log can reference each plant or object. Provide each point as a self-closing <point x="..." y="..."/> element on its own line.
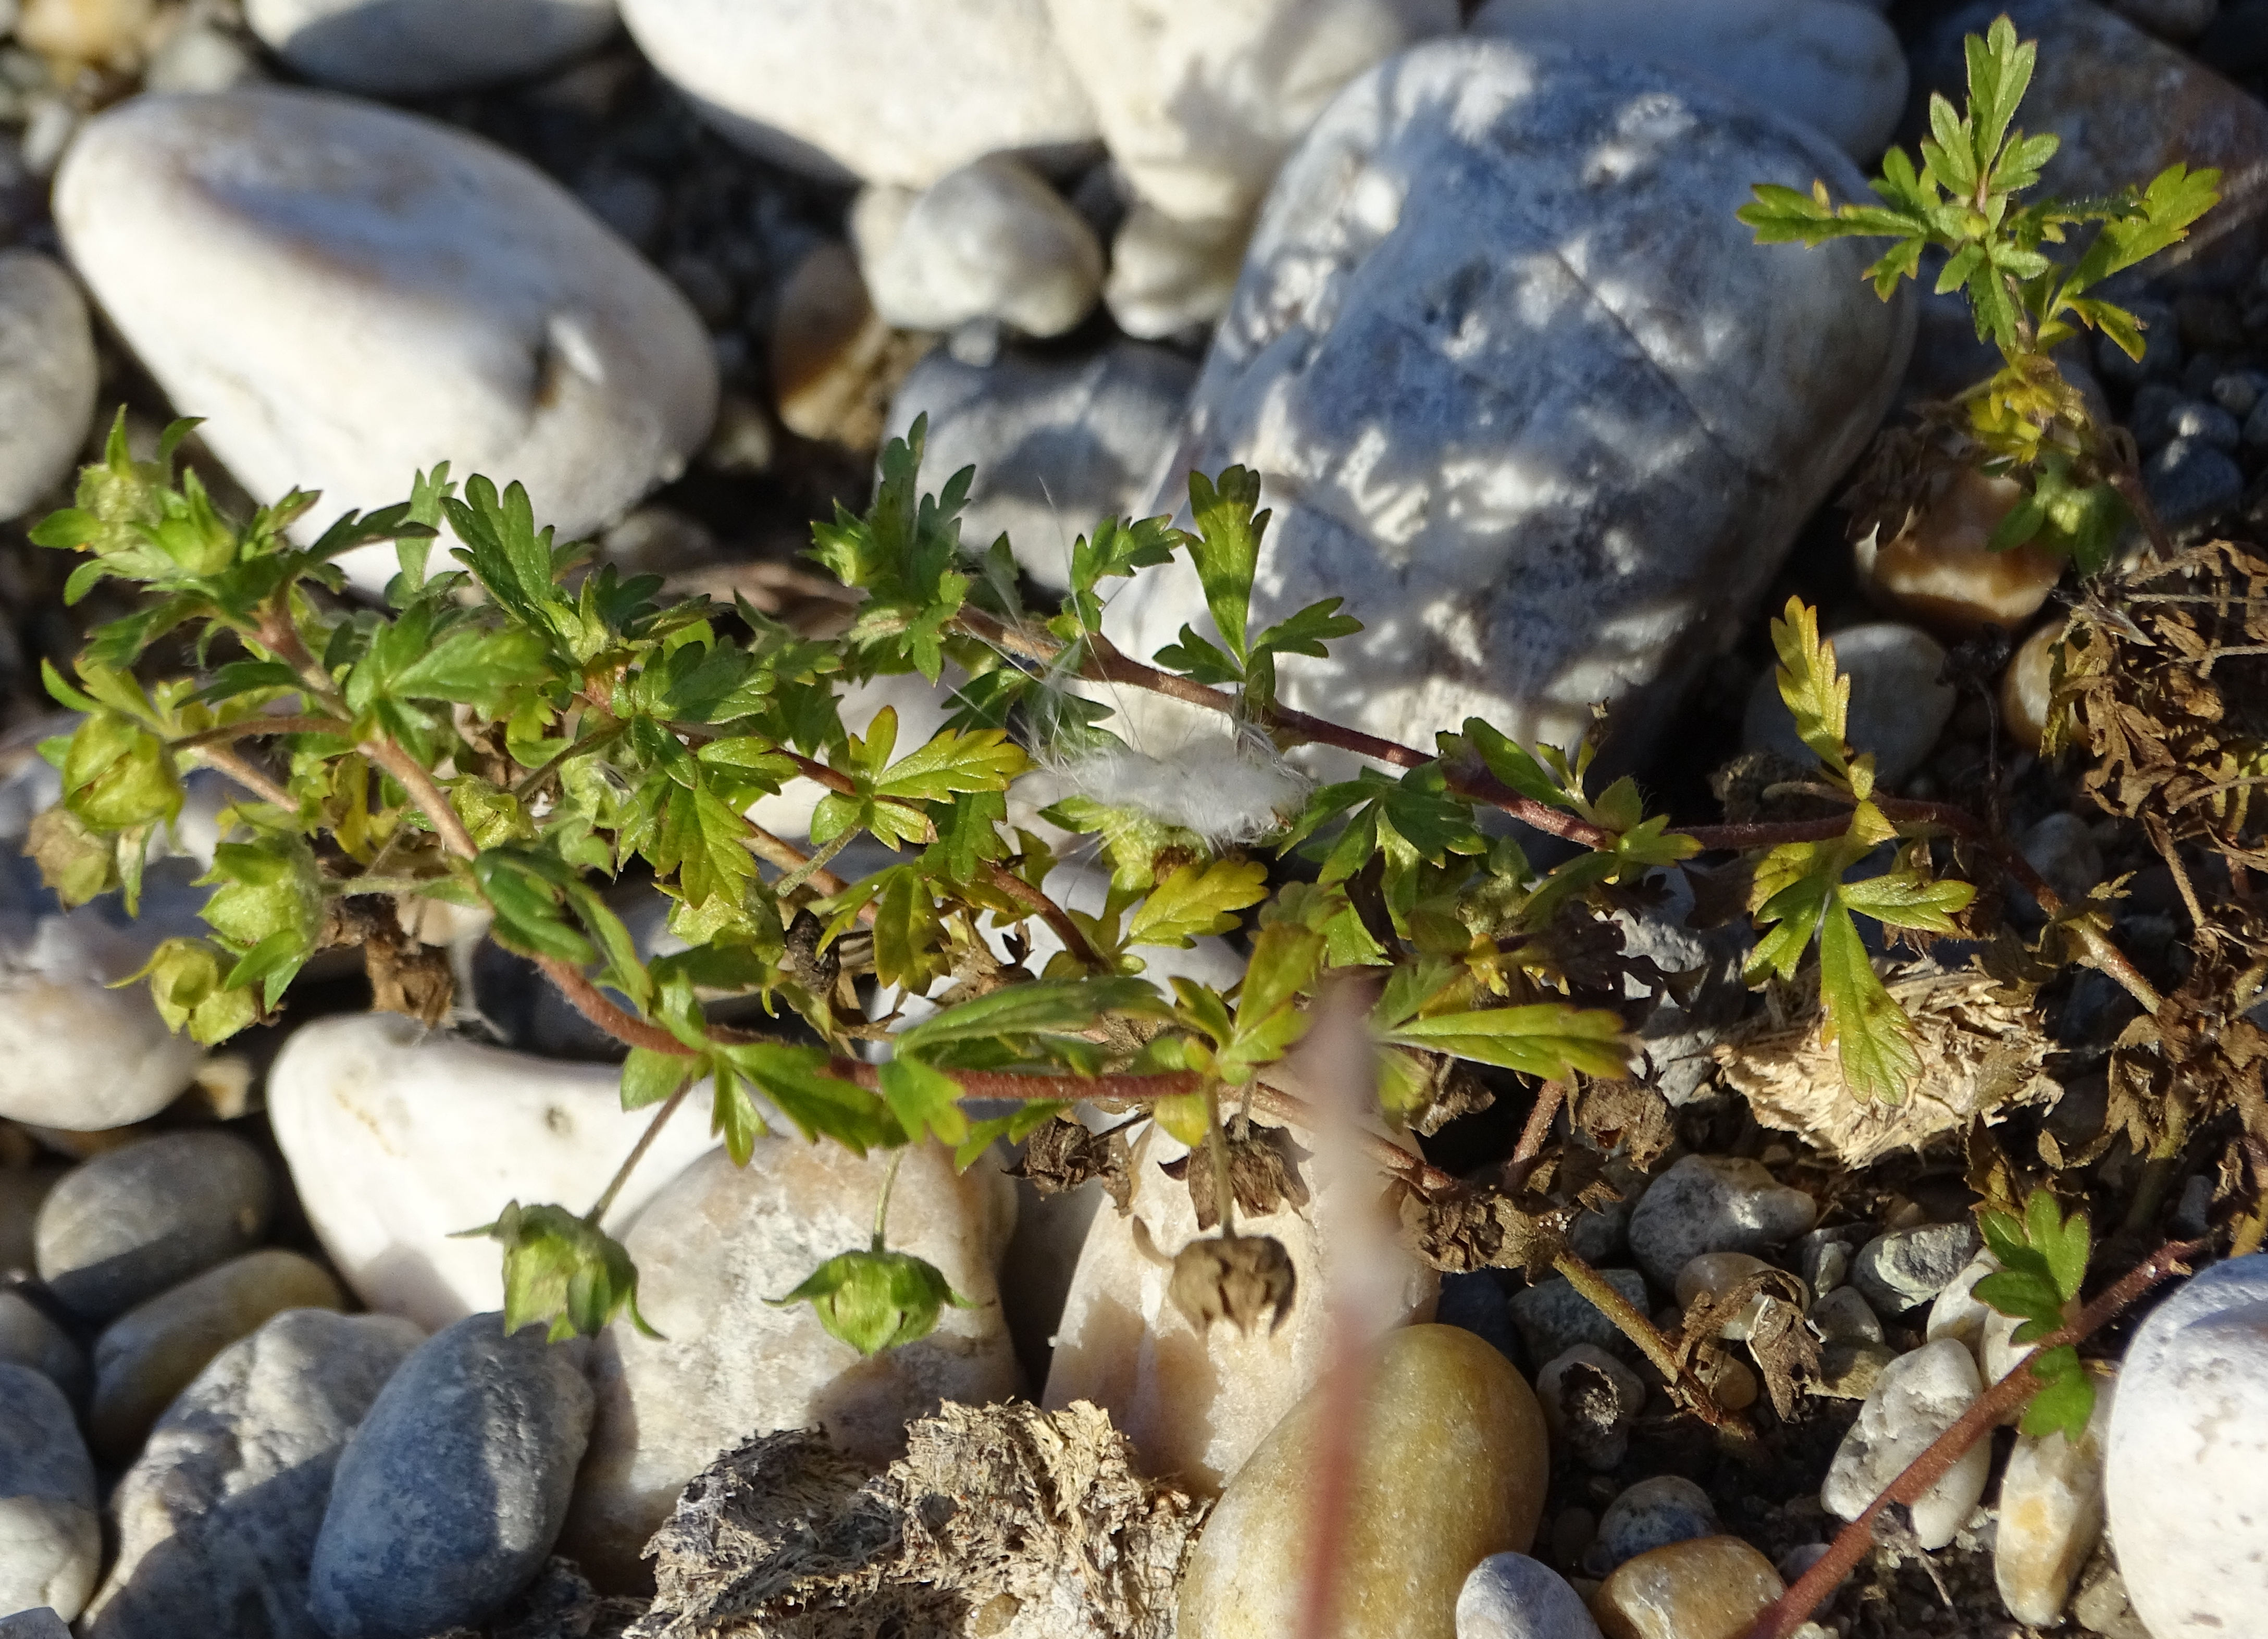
<point x="1548" y="1039"/>
<point x="2065" y="1404"/>
<point x="651" y="1077"/>
<point x="1874" y="1038"/>
<point x="799" y="1086"/>
<point x="1198" y="900"/>
<point x="1901" y="900"/>
<point x="1041" y="1007"/>
<point x="924" y="1100"/>
<point x="1226" y="549"/>
<point x="1817" y="695"/>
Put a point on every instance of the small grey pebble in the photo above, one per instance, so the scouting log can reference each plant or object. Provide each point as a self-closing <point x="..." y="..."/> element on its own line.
<point x="1553" y="1317"/>
<point x="1651" y="1514"/>
<point x="1824" y="1257"/>
<point x="2255" y="427"/>
<point x="2151" y="417"/>
<point x="1476" y="1303"/>
<point x="1713" y="1203"/>
<point x="1894" y="1272"/>
<point x="134" y="1221"/>
<point x="42" y="1623"/>
<point x="2237" y="391"/>
<point x="1843" y="1317"/>
<point x="2190" y="481"/>
<point x="1510" y="1595"/>
<point x="1800" y="1559"/>
<point x="2208" y="422"/>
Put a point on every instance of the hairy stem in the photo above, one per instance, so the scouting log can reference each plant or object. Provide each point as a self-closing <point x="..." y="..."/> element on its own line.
<point x="1794" y="1607"/>
<point x="638" y="1153"/>
<point x="244" y="773"/>
<point x="1549" y="1097"/>
<point x="1634" y="1326"/>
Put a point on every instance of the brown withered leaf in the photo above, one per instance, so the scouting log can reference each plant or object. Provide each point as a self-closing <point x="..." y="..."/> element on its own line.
<point x="1243" y="1278"/>
<point x="1263" y="1173"/>
<point x="1626" y="1112"/>
<point x="406" y="975"/>
<point x="1982" y="1055"/>
<point x="1062" y="1155"/>
<point x="1462" y="1230"/>
<point x="1451" y="1090"/>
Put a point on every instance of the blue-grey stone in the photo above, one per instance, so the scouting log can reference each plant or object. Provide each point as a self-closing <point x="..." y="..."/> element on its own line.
<point x="133" y="1222"/>
<point x="1553" y="1317"/>
<point x="1510" y="1595"/>
<point x="50" y="1539"/>
<point x="2190" y="481"/>
<point x="1652" y="1514"/>
<point x="450" y="1494"/>
<point x="1476" y="1303"/>
<point x="1895" y="1271"/>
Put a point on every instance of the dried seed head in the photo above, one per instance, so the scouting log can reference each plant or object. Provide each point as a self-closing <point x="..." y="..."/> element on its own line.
<point x="1234" y="1277"/>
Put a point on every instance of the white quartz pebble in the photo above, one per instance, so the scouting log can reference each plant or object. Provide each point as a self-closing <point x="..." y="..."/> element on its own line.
<point x="1918" y="1397"/>
<point x="989" y="241"/>
<point x="2051" y="1509"/>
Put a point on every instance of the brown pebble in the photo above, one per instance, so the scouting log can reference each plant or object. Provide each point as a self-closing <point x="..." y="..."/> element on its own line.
<point x="1708" y="1587"/>
<point x="2027" y="686"/>
<point x="1940" y="570"/>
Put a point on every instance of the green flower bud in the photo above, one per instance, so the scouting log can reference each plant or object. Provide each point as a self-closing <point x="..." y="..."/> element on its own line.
<point x="874" y="1300"/>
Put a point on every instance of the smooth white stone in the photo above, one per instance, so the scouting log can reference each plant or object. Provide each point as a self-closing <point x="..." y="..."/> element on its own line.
<point x="711" y="1250"/>
<point x="1898" y="704"/>
<point x="1200" y="100"/>
<point x="1057" y="443"/>
<point x="2185" y="1477"/>
<point x="50" y="1539"/>
<point x="878" y="91"/>
<point x="419" y="47"/>
<point x="74" y="1054"/>
<point x="1918" y="1397"/>
<point x="1167" y="275"/>
<point x="989" y="241"/>
<point x="1196" y="1404"/>
<point x="1957" y="1313"/>
<point x="350" y="295"/>
<point x="1510" y="1595"/>
<point x="1835" y="66"/>
<point x="1501" y="349"/>
<point x="46" y="377"/>
<point x="398" y="1139"/>
<point x="2050" y="1510"/>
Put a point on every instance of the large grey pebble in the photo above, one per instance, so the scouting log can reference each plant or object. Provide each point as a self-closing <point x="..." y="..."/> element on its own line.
<point x="1057" y="443"/>
<point x="350" y="294"/>
<point x="1918" y="1397"/>
<point x="1501" y="352"/>
<point x="1553" y="1317"/>
<point x="133" y="1222"/>
<point x="42" y="1623"/>
<point x="1713" y="1203"/>
<point x="1510" y="1595"/>
<point x="419" y="47"/>
<point x="449" y="1497"/>
<point x="1652" y="1514"/>
<point x="217" y="1518"/>
<point x="881" y="91"/>
<point x="2185" y="1469"/>
<point x="2190" y="481"/>
<point x="1899" y="703"/>
<point x="30" y="1337"/>
<point x="1836" y="67"/>
<point x="46" y="377"/>
<point x="1906" y="1266"/>
<point x="50" y="1539"/>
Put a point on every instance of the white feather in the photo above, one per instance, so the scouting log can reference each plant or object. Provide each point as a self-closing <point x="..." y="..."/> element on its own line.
<point x="1224" y="788"/>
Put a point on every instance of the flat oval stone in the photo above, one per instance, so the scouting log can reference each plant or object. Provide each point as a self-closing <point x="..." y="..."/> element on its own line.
<point x="1918" y="1396"/>
<point x="392" y="50"/>
<point x="350" y="294"/>
<point x="1834" y="67"/>
<point x="1501" y="351"/>
<point x="74" y="1054"/>
<point x="1713" y="1203"/>
<point x="2185" y="1470"/>
<point x="217" y="1518"/>
<point x="1709" y="1588"/>
<point x="1451" y="1468"/>
<point x="718" y="1242"/>
<point x="880" y="91"/>
<point x="46" y="377"/>
<point x="990" y="241"/>
<point x="151" y="1353"/>
<point x="1197" y="1404"/>
<point x="398" y="1139"/>
<point x="449" y="1496"/>
<point x="50" y="1539"/>
<point x="1510" y="1595"/>
<point x="131" y="1223"/>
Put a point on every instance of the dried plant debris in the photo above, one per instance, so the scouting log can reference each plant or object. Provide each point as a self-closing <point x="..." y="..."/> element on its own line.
<point x="1263" y="1173"/>
<point x="1625" y="1114"/>
<point x="1246" y="1279"/>
<point x="559" y="1604"/>
<point x="406" y="975"/>
<point x="1062" y="1155"/>
<point x="1000" y="1522"/>
<point x="1982" y="1055"/>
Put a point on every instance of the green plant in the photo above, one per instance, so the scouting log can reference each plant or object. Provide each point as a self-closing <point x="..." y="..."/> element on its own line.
<point x="2026" y="421"/>
<point x="2043" y="1258"/>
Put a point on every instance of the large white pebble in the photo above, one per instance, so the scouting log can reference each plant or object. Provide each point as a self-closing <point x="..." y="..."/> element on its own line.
<point x="418" y="48"/>
<point x="46" y="377"/>
<point x="990" y="240"/>
<point x="397" y="1140"/>
<point x="2185" y="1478"/>
<point x="882" y="90"/>
<point x="348" y="295"/>
<point x="74" y="1052"/>
<point x="1833" y="65"/>
<point x="2051" y="1509"/>
<point x="1522" y="389"/>
<point x="1918" y="1397"/>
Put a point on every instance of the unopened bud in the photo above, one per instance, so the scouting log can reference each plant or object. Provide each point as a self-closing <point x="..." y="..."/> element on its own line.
<point x="876" y="1300"/>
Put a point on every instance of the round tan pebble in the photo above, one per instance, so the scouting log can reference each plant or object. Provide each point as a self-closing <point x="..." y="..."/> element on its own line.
<point x="1451" y="1467"/>
<point x="2029" y="684"/>
<point x="1708" y="1587"/>
<point x="1940" y="571"/>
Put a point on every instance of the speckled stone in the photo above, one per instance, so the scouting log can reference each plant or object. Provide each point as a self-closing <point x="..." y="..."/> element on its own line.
<point x="1713" y="1203"/>
<point x="128" y="1224"/>
<point x="1451" y="1469"/>
<point x="1510" y="1595"/>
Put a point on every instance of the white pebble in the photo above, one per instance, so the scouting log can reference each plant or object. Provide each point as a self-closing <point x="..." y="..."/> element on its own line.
<point x="989" y="241"/>
<point x="2051" y="1515"/>
<point x="1918" y="1397"/>
<point x="46" y="377"/>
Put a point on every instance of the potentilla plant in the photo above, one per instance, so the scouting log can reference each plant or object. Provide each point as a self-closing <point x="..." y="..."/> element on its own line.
<point x="516" y="731"/>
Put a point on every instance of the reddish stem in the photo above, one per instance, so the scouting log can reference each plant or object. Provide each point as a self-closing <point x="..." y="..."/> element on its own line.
<point x="1794" y="1607"/>
<point x="1549" y="1097"/>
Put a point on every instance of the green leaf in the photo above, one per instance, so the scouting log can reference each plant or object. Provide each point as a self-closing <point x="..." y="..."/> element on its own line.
<point x="1902" y="900"/>
<point x="984" y="761"/>
<point x="1549" y="1038"/>
<point x="2065" y="1404"/>
<point x="1198" y="900"/>
<point x="1874" y="1038"/>
<point x="1818" y="696"/>
<point x="650" y="1078"/>
<point x="1017" y="1012"/>
<point x="924" y="1100"/>
<point x="875" y="1299"/>
<point x="478" y="668"/>
<point x="117" y="774"/>
<point x="561" y="1270"/>
<point x="1012" y="1128"/>
<point x="1226" y="549"/>
<point x="1999" y="72"/>
<point x="797" y="1082"/>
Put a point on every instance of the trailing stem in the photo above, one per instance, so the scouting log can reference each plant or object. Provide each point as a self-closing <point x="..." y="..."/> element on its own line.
<point x="1794" y="1607"/>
